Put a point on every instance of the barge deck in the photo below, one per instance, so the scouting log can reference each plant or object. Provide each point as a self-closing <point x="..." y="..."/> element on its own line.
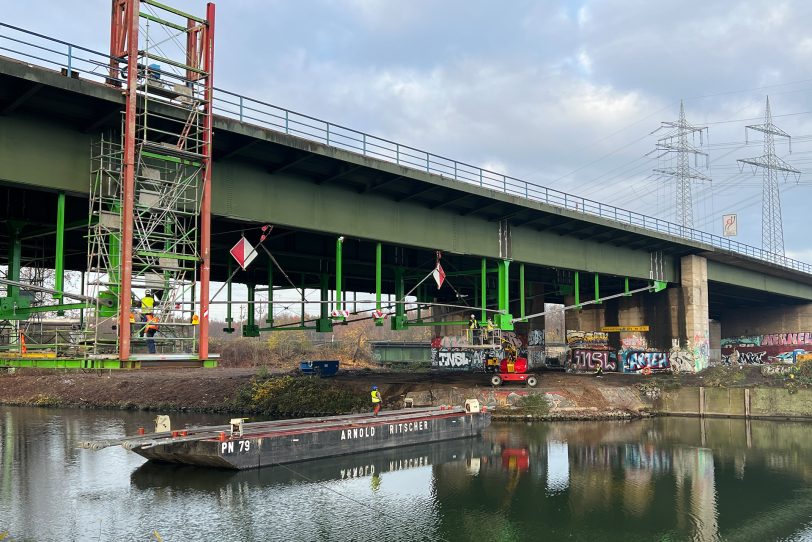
<point x="257" y="444"/>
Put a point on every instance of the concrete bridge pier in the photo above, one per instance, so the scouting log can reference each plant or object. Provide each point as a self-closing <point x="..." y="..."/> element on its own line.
<point x="694" y="309"/>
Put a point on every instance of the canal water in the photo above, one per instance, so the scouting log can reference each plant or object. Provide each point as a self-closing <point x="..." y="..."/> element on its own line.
<point x="653" y="480"/>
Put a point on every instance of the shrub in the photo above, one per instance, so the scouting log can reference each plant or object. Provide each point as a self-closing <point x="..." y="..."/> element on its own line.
<point x="287" y="396"/>
<point x="535" y="404"/>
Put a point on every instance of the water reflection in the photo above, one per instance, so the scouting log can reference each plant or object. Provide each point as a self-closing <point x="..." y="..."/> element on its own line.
<point x="663" y="479"/>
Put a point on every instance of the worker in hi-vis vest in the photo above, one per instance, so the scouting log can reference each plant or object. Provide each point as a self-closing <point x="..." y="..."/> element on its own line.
<point x="376" y="400"/>
<point x="151" y="330"/>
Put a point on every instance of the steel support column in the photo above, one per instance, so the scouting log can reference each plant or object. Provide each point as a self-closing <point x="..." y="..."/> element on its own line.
<point x="59" y="265"/>
<point x="269" y="318"/>
<point x="15" y="249"/>
<point x="378" y="280"/>
<point x="521" y="290"/>
<point x="597" y="288"/>
<point x="339" y="306"/>
<point x="324" y="324"/>
<point x="229" y="328"/>
<point x="205" y="204"/>
<point x="504" y="320"/>
<point x="484" y="290"/>
<point x="399" y="321"/>
<point x="128" y="181"/>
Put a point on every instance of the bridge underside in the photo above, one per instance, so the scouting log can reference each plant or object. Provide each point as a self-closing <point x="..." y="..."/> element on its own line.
<point x="306" y="255"/>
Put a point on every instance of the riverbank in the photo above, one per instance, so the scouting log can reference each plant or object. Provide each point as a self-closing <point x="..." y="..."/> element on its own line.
<point x="559" y="396"/>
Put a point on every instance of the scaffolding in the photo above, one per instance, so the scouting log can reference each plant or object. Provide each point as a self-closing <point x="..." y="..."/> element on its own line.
<point x="149" y="219"/>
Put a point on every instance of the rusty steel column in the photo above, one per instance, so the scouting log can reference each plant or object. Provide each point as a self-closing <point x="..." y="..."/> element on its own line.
<point x="128" y="183"/>
<point x="205" y="205"/>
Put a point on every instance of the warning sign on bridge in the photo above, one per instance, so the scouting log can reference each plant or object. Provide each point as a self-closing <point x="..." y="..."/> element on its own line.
<point x="243" y="252"/>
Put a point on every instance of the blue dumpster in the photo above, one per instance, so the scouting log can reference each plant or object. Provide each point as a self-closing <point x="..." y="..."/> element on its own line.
<point x="322" y="368"/>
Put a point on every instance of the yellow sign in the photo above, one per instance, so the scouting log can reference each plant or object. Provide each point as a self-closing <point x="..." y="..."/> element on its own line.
<point x="615" y="329"/>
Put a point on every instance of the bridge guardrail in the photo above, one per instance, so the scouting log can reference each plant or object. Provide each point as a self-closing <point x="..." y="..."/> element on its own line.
<point x="76" y="60"/>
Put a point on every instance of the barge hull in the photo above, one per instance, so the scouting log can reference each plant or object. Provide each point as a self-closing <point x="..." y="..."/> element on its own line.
<point x="288" y="446"/>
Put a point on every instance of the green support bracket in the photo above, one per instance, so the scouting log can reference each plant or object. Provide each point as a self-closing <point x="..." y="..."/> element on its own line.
<point x="399" y="321"/>
<point x="577" y="289"/>
<point x="504" y="320"/>
<point x="660" y="285"/>
<point x="59" y="266"/>
<point x="324" y="324"/>
<point x="229" y="328"/>
<point x="484" y="291"/>
<point x="626" y="287"/>
<point x="378" y="280"/>
<point x="250" y="328"/>
<point x="269" y="318"/>
<point x="521" y="292"/>
<point x="597" y="289"/>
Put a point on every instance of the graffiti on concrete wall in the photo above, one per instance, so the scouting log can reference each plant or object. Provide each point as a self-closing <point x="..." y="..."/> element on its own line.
<point x="536" y="357"/>
<point x="633" y="342"/>
<point x="699" y="346"/>
<point x="535" y="337"/>
<point x="514" y="339"/>
<point x="455" y="353"/>
<point x="776" y="348"/>
<point x="458" y="359"/>
<point x="582" y="360"/>
<point x="754" y="340"/>
<point x="638" y="362"/>
<point x="577" y="338"/>
<point x="682" y="361"/>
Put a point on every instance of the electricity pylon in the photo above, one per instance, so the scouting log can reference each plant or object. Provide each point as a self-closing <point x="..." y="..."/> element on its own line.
<point x="676" y="145"/>
<point x="772" y="228"/>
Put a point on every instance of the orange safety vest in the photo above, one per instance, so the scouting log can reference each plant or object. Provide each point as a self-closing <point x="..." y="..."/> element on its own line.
<point x="152" y="322"/>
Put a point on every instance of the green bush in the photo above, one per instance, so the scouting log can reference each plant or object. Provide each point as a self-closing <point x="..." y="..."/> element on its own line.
<point x="534" y="404"/>
<point x="287" y="396"/>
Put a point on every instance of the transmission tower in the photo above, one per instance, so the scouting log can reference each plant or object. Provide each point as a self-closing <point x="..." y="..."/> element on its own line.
<point x="675" y="146"/>
<point x="772" y="229"/>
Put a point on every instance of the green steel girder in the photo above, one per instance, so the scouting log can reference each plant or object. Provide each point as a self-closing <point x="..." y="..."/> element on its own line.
<point x="18" y="309"/>
<point x="738" y="276"/>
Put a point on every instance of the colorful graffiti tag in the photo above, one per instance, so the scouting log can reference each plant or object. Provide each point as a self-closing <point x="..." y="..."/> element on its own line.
<point x="587" y="338"/>
<point x="454" y="352"/>
<point x="777" y="348"/>
<point x="638" y="362"/>
<point x="582" y="360"/>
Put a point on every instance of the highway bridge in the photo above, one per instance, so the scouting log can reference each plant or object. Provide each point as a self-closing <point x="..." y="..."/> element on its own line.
<point x="352" y="212"/>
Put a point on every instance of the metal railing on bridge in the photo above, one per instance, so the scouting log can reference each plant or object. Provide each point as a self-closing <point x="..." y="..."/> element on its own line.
<point x="76" y="61"/>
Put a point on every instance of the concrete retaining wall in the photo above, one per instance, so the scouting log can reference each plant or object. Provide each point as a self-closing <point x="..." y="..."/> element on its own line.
<point x="736" y="402"/>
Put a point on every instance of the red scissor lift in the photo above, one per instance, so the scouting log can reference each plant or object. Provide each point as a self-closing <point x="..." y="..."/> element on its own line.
<point x="513" y="368"/>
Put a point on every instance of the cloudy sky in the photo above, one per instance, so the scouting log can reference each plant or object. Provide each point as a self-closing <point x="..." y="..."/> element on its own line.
<point x="565" y="94"/>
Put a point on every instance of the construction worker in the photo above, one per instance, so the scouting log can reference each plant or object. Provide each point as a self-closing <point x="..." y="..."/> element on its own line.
<point x="147" y="304"/>
<point x="376" y="400"/>
<point x="489" y="330"/>
<point x="473" y="325"/>
<point x="151" y="329"/>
